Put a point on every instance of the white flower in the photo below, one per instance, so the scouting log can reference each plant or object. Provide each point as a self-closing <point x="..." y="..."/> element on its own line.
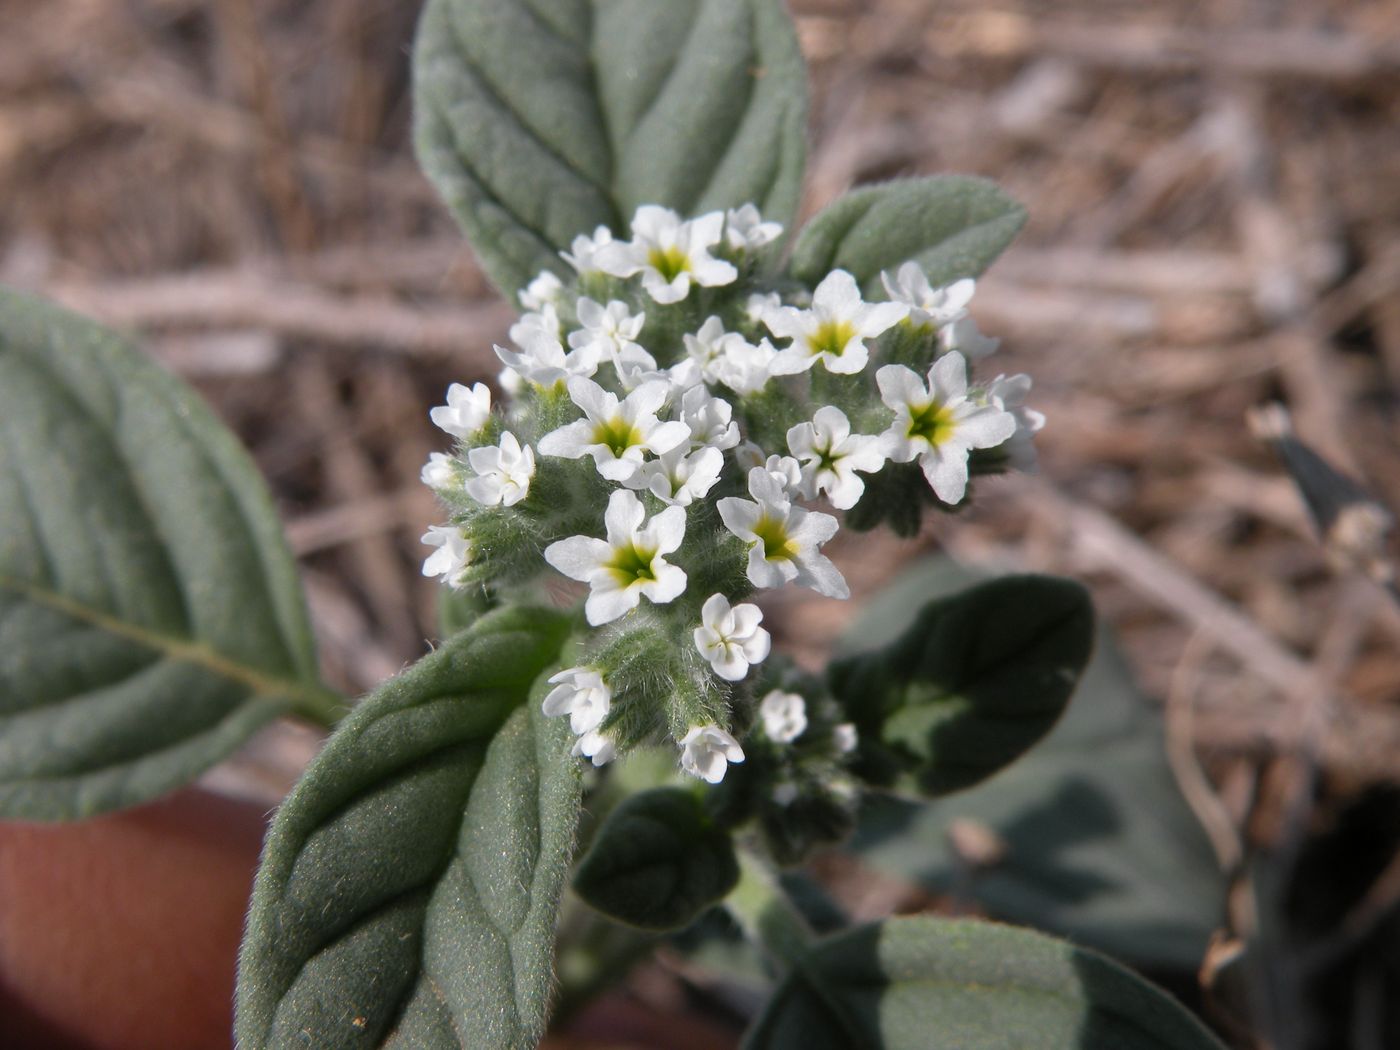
<point x="844" y="737"/>
<point x="964" y="336"/>
<point x="748" y="455"/>
<point x="731" y="639"/>
<point x="783" y="539"/>
<point x="678" y="478"/>
<point x="541" y="324"/>
<point x="706" y="348"/>
<point x="706" y="752"/>
<point x="616" y="434"/>
<point x="745" y="367"/>
<point x="466" y="411"/>
<point x="668" y="253"/>
<point x="628" y="564"/>
<point x="580" y="693"/>
<point x="1010" y="393"/>
<point x="784" y="716"/>
<point x="710" y="419"/>
<point x="745" y="229"/>
<point x="542" y="291"/>
<point x="503" y="472"/>
<point x="928" y="305"/>
<point x="609" y="332"/>
<point x="584" y="249"/>
<point x="787" y="472"/>
<point x="545" y="363"/>
<point x="832" y="455"/>
<point x="757" y="306"/>
<point x="452" y="557"/>
<point x="594" y="745"/>
<point x="439" y="472"/>
<point x="833" y="331"/>
<point x="939" y="424"/>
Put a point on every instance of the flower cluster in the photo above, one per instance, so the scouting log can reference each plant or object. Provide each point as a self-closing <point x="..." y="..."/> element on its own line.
<point x="679" y="415"/>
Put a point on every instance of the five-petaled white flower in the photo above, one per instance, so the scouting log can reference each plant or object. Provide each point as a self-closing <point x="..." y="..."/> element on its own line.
<point x="543" y="323"/>
<point x="745" y="229"/>
<point x="731" y="639"/>
<point x="783" y="539"/>
<point x="609" y="332"/>
<point x="832" y="455"/>
<point x="784" y="716"/>
<point x="1010" y="392"/>
<point x="453" y="555"/>
<point x="706" y="348"/>
<point x="544" y="362"/>
<point x="503" y="472"/>
<point x="628" y="565"/>
<point x="466" y="411"/>
<point x="706" y="752"/>
<point x="542" y="291"/>
<point x="439" y="472"/>
<point x="939" y="424"/>
<point x="580" y="693"/>
<point x="787" y="472"/>
<point x="745" y="367"/>
<point x="616" y="434"/>
<point x="935" y="307"/>
<point x="833" y="331"/>
<point x="710" y="419"/>
<point x="678" y="478"/>
<point x="668" y="253"/>
<point x="582" y="253"/>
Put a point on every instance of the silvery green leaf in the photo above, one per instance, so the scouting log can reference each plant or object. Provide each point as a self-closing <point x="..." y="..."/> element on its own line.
<point x="658" y="861"/>
<point x="410" y="882"/>
<point x="539" y="120"/>
<point x="952" y="225"/>
<point x="922" y="983"/>
<point x="151" y="618"/>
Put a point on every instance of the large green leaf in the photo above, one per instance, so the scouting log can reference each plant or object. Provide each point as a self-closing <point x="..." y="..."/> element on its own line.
<point x="1100" y="845"/>
<point x="970" y="685"/>
<point x="150" y="614"/>
<point x="539" y="120"/>
<point x="658" y="861"/>
<point x="952" y="225"/>
<point x="410" y="882"/>
<point x="926" y="984"/>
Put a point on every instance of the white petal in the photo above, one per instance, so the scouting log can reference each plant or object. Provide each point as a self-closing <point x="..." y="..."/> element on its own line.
<point x="606" y="602"/>
<point x="578" y="557"/>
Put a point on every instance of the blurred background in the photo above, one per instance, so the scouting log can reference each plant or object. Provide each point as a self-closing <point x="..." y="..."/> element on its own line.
<point x="1214" y="198"/>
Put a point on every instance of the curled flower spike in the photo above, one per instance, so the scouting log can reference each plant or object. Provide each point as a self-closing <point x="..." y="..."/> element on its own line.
<point x="939" y="424"/>
<point x="731" y="639"/>
<point x="466" y="411"/>
<point x="628" y="565"/>
<point x="452" y="557"/>
<point x="783" y="539"/>
<point x="707" y="751"/>
<point x="580" y="693"/>
<point x="616" y="434"/>
<point x="784" y="716"/>
<point x="503" y="472"/>
<point x="668" y="253"/>
<point x="833" y="331"/>
<point x="832" y="455"/>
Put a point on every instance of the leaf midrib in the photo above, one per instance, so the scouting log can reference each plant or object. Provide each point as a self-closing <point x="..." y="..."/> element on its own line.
<point x="310" y="700"/>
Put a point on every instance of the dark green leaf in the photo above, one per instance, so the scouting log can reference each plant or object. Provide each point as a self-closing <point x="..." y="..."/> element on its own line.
<point x="925" y="984"/>
<point x="658" y="861"/>
<point x="150" y="613"/>
<point x="952" y="225"/>
<point x="539" y="120"/>
<point x="410" y="882"/>
<point x="970" y="685"/>
<point x="1100" y="846"/>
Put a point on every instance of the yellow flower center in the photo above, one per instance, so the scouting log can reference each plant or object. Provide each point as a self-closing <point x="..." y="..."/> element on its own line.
<point x="618" y="434"/>
<point x="670" y="262"/>
<point x="831" y="338"/>
<point x="631" y="564"/>
<point x="932" y="422"/>
<point x="772" y="533"/>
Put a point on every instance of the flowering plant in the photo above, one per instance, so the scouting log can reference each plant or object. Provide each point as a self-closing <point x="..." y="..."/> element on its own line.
<point x="692" y="397"/>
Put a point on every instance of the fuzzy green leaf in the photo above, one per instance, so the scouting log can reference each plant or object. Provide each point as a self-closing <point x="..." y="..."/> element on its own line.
<point x="150" y="613"/>
<point x="951" y="225"/>
<point x="925" y="984"/>
<point x="539" y="120"/>
<point x="658" y="861"/>
<point x="409" y="885"/>
<point x="974" y="682"/>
